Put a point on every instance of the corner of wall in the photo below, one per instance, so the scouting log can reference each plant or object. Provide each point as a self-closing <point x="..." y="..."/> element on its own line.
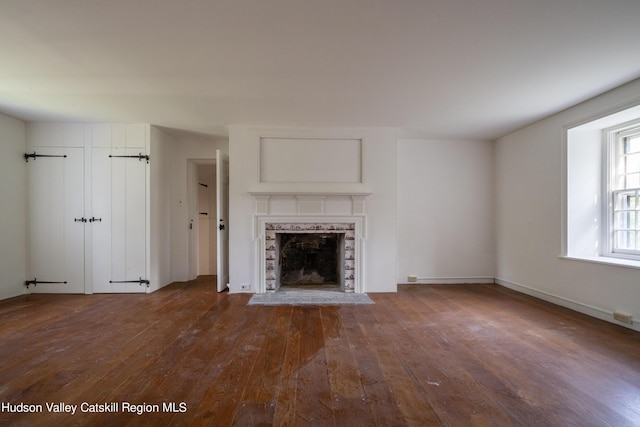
<point x="161" y="149"/>
<point x="530" y="214"/>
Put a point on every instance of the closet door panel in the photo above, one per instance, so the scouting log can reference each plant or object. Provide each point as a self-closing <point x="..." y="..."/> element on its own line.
<point x="118" y="220"/>
<point x="45" y="217"/>
<point x="101" y="230"/>
<point x="56" y="214"/>
<point x="74" y="231"/>
<point x="135" y="220"/>
<point x="118" y="197"/>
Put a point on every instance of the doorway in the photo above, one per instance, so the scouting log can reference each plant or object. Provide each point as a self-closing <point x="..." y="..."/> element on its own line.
<point x="206" y="217"/>
<point x="202" y="215"/>
<point x="208" y="196"/>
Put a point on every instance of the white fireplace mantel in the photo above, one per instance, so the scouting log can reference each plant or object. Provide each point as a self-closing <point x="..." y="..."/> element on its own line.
<point x="328" y="211"/>
<point x="308" y="203"/>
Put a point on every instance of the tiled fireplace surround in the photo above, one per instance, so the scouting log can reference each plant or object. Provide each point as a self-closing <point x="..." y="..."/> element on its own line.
<point x="304" y="213"/>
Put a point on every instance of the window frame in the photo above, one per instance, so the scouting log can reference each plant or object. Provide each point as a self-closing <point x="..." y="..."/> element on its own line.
<point x="613" y="139"/>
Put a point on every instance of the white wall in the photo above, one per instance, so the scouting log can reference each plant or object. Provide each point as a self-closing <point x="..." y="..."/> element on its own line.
<point x="162" y="153"/>
<point x="529" y="199"/>
<point x="445" y="211"/>
<point x="584" y="191"/>
<point x="13" y="207"/>
<point x="378" y="177"/>
<point x="185" y="150"/>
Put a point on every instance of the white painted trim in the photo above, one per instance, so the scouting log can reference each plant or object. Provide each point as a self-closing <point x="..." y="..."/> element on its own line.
<point x="610" y="157"/>
<point x="88" y="208"/>
<point x="596" y="312"/>
<point x="617" y="262"/>
<point x="309" y="193"/>
<point x="599" y="119"/>
<point x="305" y="200"/>
<point x="564" y="190"/>
<point x="330" y="188"/>
<point x="310" y="205"/>
<point x="147" y="190"/>
<point x="453" y="280"/>
<point x="192" y="225"/>
<point x="260" y="132"/>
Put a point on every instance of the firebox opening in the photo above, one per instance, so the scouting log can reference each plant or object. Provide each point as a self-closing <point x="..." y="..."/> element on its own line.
<point x="310" y="259"/>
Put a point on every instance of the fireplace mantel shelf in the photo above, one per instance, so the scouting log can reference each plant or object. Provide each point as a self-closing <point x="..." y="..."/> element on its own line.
<point x="261" y="194"/>
<point x="308" y="203"/>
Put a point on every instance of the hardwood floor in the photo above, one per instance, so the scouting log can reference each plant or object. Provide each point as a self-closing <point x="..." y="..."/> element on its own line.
<point x="455" y="355"/>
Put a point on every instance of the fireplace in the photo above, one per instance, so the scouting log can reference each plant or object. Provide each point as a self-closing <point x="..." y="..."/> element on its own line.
<point x="296" y="233"/>
<point x="310" y="259"/>
<point x="298" y="253"/>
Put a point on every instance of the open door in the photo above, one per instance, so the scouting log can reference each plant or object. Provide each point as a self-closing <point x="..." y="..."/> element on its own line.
<point x="222" y="204"/>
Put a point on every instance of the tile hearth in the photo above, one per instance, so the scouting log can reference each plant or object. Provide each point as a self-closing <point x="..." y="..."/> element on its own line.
<point x="309" y="297"/>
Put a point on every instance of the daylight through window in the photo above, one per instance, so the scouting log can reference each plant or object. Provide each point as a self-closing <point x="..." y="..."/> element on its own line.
<point x="625" y="191"/>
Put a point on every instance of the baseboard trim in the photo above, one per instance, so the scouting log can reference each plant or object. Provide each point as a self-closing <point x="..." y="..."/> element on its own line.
<point x="452" y="280"/>
<point x="596" y="312"/>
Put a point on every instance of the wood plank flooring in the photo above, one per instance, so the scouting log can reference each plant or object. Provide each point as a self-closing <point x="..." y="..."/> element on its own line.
<point x="451" y="355"/>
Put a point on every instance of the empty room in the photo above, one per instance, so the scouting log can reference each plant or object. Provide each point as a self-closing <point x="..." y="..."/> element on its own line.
<point x="331" y="213"/>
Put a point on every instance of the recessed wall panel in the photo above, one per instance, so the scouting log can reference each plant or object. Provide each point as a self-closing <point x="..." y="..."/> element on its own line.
<point x="310" y="160"/>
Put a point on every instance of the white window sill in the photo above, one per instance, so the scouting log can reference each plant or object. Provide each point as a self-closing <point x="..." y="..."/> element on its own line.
<point x="629" y="263"/>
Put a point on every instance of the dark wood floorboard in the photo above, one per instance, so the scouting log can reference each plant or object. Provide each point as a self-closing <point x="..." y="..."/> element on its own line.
<point x="429" y="355"/>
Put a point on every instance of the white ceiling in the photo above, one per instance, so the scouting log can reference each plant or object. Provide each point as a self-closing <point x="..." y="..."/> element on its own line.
<point x="458" y="69"/>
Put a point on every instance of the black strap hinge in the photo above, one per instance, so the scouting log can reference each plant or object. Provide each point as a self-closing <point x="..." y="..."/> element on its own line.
<point x="139" y="157"/>
<point x="34" y="156"/>
<point x="35" y="281"/>
<point x="139" y="281"/>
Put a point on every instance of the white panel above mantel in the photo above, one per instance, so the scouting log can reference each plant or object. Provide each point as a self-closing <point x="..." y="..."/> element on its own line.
<point x="309" y="203"/>
<point x="310" y="160"/>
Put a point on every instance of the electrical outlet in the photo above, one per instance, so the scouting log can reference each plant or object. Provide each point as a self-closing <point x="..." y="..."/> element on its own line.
<point x="245" y="287"/>
<point x="623" y="317"/>
<point x="412" y="278"/>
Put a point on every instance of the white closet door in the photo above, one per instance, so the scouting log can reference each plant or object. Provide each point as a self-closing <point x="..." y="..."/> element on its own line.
<point x="101" y="209"/>
<point x="135" y="221"/>
<point x="118" y="221"/>
<point x="56" y="220"/>
<point x="119" y="240"/>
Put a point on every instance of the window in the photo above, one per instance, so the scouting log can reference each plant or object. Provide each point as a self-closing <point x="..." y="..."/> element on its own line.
<point x="624" y="191"/>
<point x="601" y="203"/>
